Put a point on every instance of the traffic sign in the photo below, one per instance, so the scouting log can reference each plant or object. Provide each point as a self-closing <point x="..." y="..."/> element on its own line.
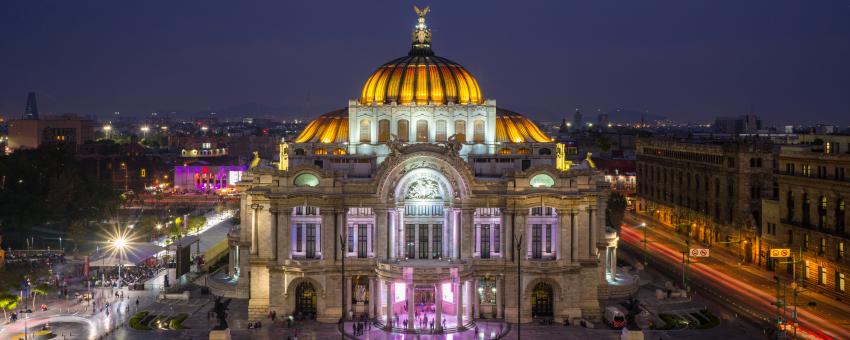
<point x="780" y="252"/>
<point x="699" y="252"/>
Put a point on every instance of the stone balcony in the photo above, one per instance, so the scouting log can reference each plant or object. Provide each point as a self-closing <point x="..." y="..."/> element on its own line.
<point x="424" y="271"/>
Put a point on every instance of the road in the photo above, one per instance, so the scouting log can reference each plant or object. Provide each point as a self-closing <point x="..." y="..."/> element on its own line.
<point x="723" y="276"/>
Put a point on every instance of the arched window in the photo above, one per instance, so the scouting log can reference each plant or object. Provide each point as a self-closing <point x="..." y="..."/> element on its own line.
<point x="478" y="131"/>
<point x="383" y="130"/>
<point x="542" y="180"/>
<point x="545" y="151"/>
<point x="306" y="180"/>
<point x="403" y="130"/>
<point x="421" y="131"/>
<point x="504" y="151"/>
<point x="339" y="151"/>
<point x="365" y="131"/>
<point x="460" y="130"/>
<point x="523" y="151"/>
<point x="320" y="151"/>
<point x="441" y="131"/>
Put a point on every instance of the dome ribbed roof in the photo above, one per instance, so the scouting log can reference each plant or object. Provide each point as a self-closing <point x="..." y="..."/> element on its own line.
<point x="421" y="79"/>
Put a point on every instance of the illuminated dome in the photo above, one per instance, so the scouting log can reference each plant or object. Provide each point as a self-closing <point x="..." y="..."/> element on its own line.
<point x="511" y="127"/>
<point x="421" y="78"/>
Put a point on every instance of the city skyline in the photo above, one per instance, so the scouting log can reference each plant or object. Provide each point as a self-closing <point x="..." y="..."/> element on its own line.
<point x="687" y="62"/>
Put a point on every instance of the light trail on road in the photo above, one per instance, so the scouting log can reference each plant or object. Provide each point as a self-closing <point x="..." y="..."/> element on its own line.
<point x="755" y="297"/>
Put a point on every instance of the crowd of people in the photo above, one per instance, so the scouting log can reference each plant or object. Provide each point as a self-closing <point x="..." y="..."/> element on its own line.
<point x="130" y="276"/>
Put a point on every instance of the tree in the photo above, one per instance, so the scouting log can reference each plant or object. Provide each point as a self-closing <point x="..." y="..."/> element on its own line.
<point x="196" y="223"/>
<point x="615" y="210"/>
<point x="603" y="143"/>
<point x="8" y="301"/>
<point x="40" y="289"/>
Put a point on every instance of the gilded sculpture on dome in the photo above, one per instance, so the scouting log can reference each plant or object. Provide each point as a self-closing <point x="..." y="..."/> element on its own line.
<point x="421" y="35"/>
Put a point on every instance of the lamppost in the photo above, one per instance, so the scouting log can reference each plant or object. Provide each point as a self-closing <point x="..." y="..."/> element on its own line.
<point x="645" y="262"/>
<point x="518" y="285"/>
<point x="342" y="284"/>
<point x="686" y="259"/>
<point x="107" y="129"/>
<point x="145" y="130"/>
<point x="119" y="244"/>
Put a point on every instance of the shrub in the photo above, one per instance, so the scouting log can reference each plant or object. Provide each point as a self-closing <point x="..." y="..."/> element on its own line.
<point x="136" y="321"/>
<point x="177" y="321"/>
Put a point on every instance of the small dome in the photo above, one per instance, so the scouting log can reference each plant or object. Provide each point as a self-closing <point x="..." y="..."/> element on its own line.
<point x="331" y="127"/>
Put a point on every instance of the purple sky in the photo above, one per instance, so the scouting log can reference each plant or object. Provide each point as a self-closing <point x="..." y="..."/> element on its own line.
<point x="688" y="60"/>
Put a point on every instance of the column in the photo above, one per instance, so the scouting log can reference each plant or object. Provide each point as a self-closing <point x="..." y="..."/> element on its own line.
<point x="466" y="233"/>
<point x="255" y="243"/>
<point x="522" y="229"/>
<point x="373" y="295"/>
<point x="325" y="239"/>
<point x="499" y="292"/>
<point x="438" y="308"/>
<point x="284" y="242"/>
<point x="411" y="320"/>
<point x="564" y="236"/>
<point x="508" y="234"/>
<point x="614" y="262"/>
<point x="274" y="232"/>
<point x="476" y="301"/>
<point x="400" y="247"/>
<point x="392" y="234"/>
<point x="590" y="234"/>
<point x="347" y="307"/>
<point x="389" y="301"/>
<point x="573" y="236"/>
<point x="381" y="233"/>
<point x="460" y="306"/>
<point x="456" y="231"/>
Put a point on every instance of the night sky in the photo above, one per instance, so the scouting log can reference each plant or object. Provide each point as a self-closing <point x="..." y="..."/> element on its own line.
<point x="687" y="60"/>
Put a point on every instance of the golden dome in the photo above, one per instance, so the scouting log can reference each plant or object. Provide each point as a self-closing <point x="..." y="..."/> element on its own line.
<point x="331" y="127"/>
<point x="420" y="80"/>
<point x="421" y="77"/>
<point x="511" y="127"/>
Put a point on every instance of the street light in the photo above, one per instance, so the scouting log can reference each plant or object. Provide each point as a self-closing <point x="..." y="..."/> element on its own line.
<point x="645" y="262"/>
<point x="107" y="128"/>
<point x="519" y="285"/>
<point x="145" y="130"/>
<point x="119" y="244"/>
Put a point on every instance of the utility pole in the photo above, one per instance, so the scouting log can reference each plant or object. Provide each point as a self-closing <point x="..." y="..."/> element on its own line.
<point x="645" y="261"/>
<point x="342" y="241"/>
<point x="519" y="286"/>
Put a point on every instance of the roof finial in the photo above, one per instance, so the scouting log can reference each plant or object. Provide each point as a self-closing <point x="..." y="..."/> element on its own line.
<point x="421" y="34"/>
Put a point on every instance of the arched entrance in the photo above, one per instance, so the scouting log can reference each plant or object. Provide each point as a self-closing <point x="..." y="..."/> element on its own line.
<point x="541" y="301"/>
<point x="305" y="300"/>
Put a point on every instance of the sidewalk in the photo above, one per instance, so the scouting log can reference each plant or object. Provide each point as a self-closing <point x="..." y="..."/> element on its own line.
<point x="729" y="262"/>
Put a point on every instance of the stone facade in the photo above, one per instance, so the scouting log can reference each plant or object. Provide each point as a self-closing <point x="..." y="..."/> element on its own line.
<point x="810" y="216"/>
<point x="570" y="259"/>
<point x="709" y="190"/>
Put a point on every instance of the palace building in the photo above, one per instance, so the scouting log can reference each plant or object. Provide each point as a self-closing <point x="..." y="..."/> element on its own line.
<point x="422" y="197"/>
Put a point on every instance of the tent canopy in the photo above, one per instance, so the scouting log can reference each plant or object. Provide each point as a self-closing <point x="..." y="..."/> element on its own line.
<point x="133" y="254"/>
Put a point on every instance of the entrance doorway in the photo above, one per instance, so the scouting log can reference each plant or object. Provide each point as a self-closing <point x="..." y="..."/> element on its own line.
<point x="541" y="301"/>
<point x="305" y="300"/>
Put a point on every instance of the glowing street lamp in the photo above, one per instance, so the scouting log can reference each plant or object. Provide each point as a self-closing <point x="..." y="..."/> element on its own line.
<point x="119" y="244"/>
<point x="145" y="130"/>
<point x="108" y="130"/>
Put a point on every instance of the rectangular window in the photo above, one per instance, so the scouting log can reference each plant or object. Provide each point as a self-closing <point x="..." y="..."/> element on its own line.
<point x="403" y="130"/>
<point x="362" y="240"/>
<point x="840" y="247"/>
<point x="821" y="275"/>
<point x="311" y="240"/>
<point x="437" y="247"/>
<point x="298" y="237"/>
<point x="409" y="239"/>
<point x="548" y="238"/>
<point x="536" y="240"/>
<point x="350" y="239"/>
<point x="805" y="242"/>
<point x="485" y="241"/>
<point x="497" y="238"/>
<point x="839" y="282"/>
<point x="460" y="131"/>
<point x="423" y="241"/>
